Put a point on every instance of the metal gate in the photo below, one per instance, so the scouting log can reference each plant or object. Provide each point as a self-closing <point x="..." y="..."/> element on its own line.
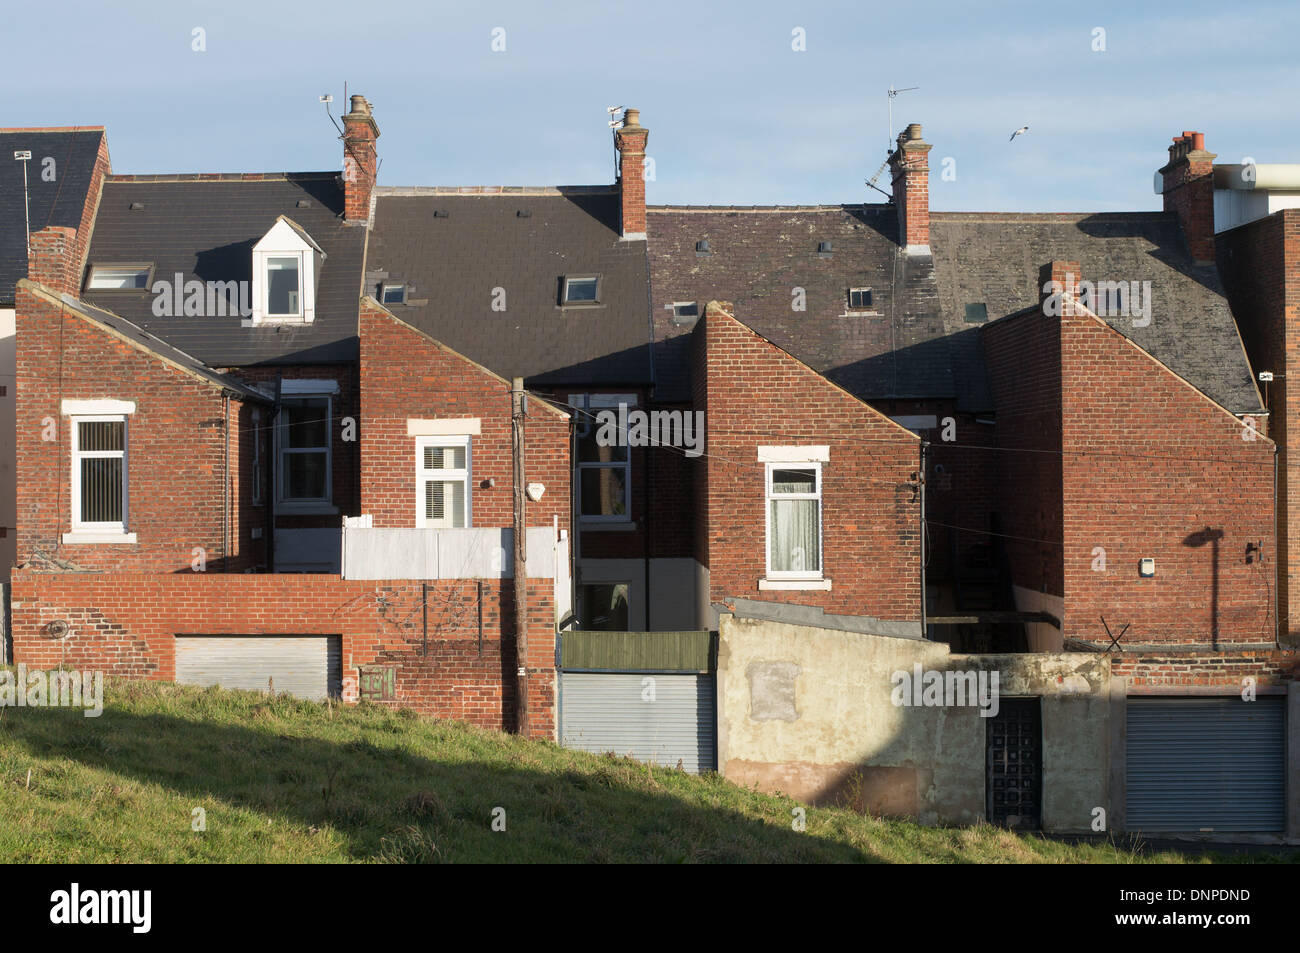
<point x="649" y="695"/>
<point x="307" y="666"/>
<point x="1206" y="764"/>
<point x="1014" y="748"/>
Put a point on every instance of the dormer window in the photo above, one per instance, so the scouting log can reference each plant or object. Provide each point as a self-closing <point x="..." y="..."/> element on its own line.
<point x="286" y="269"/>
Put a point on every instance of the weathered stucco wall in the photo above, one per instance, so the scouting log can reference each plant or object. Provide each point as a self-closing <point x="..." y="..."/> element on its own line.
<point x="810" y="712"/>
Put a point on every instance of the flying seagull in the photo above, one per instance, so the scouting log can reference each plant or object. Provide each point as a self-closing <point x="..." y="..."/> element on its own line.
<point x="1021" y="131"/>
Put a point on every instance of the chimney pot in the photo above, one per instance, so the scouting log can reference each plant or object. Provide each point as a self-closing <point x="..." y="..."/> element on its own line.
<point x="1188" y="189"/>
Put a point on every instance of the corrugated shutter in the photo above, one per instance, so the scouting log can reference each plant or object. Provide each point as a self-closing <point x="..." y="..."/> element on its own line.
<point x="1198" y="764"/>
<point x="608" y="712"/>
<point x="308" y="666"/>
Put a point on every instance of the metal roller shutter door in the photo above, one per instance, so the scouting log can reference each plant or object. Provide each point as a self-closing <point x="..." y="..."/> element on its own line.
<point x="606" y="712"/>
<point x="307" y="666"/>
<point x="1198" y="764"/>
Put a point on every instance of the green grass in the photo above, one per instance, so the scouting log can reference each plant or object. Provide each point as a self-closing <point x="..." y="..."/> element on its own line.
<point x="283" y="780"/>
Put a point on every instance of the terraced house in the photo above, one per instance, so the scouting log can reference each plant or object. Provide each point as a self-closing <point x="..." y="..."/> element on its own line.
<point x="301" y="431"/>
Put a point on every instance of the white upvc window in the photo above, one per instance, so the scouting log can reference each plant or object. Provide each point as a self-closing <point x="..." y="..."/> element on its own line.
<point x="303" y="453"/>
<point x="285" y="265"/>
<point x="604" y="465"/>
<point x="99" y="475"/>
<point x="442" y="482"/>
<point x="794" y="520"/>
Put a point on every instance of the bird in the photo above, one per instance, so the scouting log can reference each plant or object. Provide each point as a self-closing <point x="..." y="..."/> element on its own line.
<point x="1021" y="131"/>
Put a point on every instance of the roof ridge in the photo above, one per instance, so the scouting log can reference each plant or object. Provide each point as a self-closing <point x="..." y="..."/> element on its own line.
<point x="218" y="176"/>
<point x="413" y="190"/>
<point x="768" y="208"/>
<point x="4" y="129"/>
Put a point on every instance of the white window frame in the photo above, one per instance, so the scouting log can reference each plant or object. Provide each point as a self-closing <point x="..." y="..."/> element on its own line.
<point x="588" y="405"/>
<point x="567" y="302"/>
<point x="284" y="240"/>
<point x="99" y="532"/>
<point x="861" y="308"/>
<point x="424" y="475"/>
<point x="388" y="286"/>
<point x="102" y="267"/>
<point x="313" y="504"/>
<point x="768" y="498"/>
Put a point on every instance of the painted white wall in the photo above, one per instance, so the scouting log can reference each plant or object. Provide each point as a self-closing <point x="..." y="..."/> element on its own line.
<point x="1043" y="637"/>
<point x="465" y="553"/>
<point x="705" y="617"/>
<point x="8" y="457"/>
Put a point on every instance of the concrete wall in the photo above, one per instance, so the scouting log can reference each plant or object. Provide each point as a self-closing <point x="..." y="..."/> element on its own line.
<point x="808" y="711"/>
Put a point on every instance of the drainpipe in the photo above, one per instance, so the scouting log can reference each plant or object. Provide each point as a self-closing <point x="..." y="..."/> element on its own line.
<point x="920" y="480"/>
<point x="518" y="410"/>
<point x="272" y="484"/>
<point x="225" y="485"/>
<point x="1277" y="623"/>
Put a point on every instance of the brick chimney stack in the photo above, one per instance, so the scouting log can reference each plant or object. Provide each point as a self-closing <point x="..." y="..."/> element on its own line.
<point x="360" y="160"/>
<point x="52" y="261"/>
<point x="630" y="140"/>
<point x="909" y="165"/>
<point x="1061" y="278"/>
<point x="1188" y="189"/>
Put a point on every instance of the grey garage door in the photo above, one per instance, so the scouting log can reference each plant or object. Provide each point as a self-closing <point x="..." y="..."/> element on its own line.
<point x="1198" y="764"/>
<point x="662" y="719"/>
<point x="308" y="666"/>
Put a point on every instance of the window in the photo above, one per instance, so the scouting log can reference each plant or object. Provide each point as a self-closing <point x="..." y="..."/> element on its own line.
<point x="286" y="266"/>
<point x="258" y="476"/>
<point x="859" y="299"/>
<point x="580" y="290"/>
<point x="442" y="470"/>
<point x="284" y="286"/>
<point x="303" y="436"/>
<point x="604" y="606"/>
<point x="794" y="515"/>
<point x="99" y="474"/>
<point x="393" y="294"/>
<point x="977" y="313"/>
<point x="685" y="312"/>
<point x="119" y="277"/>
<point x="604" y="463"/>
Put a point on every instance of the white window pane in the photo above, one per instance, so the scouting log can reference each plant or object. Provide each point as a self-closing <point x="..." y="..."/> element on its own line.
<point x="444" y="503"/>
<point x="117" y="278"/>
<point x="282" y="286"/>
<point x="101" y="490"/>
<point x="444" y="458"/>
<point x="795" y="536"/>
<point x="580" y="289"/>
<point x="794" y="481"/>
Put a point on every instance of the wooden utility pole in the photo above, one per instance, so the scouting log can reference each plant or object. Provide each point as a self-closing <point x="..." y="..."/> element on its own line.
<point x="519" y="410"/>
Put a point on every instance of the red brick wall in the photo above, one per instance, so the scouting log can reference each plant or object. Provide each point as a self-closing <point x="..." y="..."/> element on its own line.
<point x="1201" y="670"/>
<point x="1148" y="463"/>
<point x="125" y="624"/>
<point x="754" y="394"/>
<point x="176" y="448"/>
<point x="1024" y="362"/>
<point x="1260" y="265"/>
<point x="406" y="374"/>
<point x="90" y="209"/>
<point x="631" y="141"/>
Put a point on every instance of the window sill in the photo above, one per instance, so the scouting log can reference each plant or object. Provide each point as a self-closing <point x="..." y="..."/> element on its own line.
<point x="274" y="322"/>
<point x="306" y="509"/>
<point x="822" y="585"/>
<point x="610" y="527"/>
<point x="88" y="537"/>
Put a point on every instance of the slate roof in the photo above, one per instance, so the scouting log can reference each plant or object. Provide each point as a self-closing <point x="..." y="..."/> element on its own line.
<point x="995" y="259"/>
<point x="59" y="203"/>
<point x="205" y="227"/>
<point x="154" y="345"/>
<point x="758" y="255"/>
<point x="452" y="263"/>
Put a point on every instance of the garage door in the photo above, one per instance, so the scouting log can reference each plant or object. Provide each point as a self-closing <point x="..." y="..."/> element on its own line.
<point x="308" y="666"/>
<point x="1206" y="764"/>
<point x="661" y="719"/>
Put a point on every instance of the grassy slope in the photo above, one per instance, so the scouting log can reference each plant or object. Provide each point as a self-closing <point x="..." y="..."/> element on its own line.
<point x="289" y="781"/>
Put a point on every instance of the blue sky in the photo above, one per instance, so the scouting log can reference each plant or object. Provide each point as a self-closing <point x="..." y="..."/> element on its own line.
<point x="736" y="116"/>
